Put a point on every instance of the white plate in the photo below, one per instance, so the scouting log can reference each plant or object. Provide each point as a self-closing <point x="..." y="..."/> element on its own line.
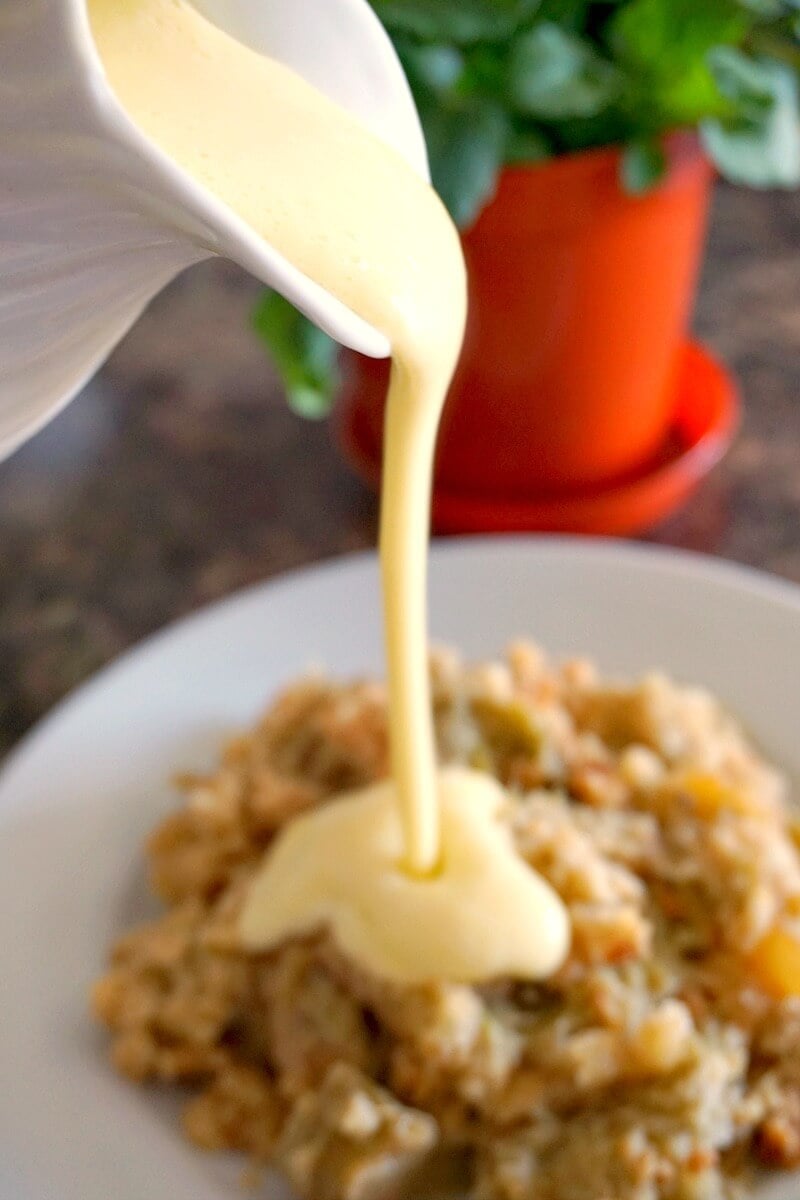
<point x="77" y="798"/>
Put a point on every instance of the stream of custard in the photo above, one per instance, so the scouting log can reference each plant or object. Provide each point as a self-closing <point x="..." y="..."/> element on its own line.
<point x="416" y="877"/>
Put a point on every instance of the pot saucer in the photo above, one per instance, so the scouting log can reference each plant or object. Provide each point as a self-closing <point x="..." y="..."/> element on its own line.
<point x="705" y="420"/>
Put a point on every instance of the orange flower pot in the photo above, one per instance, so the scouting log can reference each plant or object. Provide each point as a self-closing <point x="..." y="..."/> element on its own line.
<point x="580" y="301"/>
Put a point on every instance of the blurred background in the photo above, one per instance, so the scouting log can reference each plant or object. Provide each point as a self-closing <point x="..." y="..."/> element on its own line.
<point x="182" y="473"/>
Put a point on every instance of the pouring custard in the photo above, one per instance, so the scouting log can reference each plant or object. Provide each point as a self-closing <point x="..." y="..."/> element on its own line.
<point x="416" y="877"/>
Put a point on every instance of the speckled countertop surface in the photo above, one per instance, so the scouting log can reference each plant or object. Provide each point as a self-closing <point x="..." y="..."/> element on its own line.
<point x="179" y="475"/>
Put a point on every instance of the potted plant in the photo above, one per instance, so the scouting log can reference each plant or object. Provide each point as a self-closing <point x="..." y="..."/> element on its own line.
<point x="575" y="144"/>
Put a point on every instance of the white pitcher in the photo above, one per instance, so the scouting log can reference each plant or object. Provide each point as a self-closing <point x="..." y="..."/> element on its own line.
<point x="95" y="219"/>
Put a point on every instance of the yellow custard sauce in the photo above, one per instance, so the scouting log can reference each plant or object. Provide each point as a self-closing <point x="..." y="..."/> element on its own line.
<point x="396" y="871"/>
<point x="387" y="918"/>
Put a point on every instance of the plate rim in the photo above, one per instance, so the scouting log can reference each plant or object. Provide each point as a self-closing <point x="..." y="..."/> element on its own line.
<point x="664" y="558"/>
<point x="654" y="561"/>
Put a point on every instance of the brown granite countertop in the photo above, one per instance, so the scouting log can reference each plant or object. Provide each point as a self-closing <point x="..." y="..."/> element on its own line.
<point x="180" y="475"/>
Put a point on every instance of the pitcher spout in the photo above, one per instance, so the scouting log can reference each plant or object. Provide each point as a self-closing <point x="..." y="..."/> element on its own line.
<point x="95" y="219"/>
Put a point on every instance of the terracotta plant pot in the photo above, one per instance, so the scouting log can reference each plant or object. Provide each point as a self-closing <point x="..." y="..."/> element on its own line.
<point x="580" y="301"/>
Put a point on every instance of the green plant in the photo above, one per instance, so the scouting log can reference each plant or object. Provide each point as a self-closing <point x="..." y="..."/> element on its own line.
<point x="519" y="81"/>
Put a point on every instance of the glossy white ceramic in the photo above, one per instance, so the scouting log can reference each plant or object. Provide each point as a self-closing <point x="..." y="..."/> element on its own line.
<point x="78" y="797"/>
<point x="95" y="219"/>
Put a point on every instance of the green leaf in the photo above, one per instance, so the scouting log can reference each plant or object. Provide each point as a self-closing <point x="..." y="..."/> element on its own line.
<point x="554" y="75"/>
<point x="609" y="128"/>
<point x="663" y="47"/>
<point x="461" y="21"/>
<point x="764" y="8"/>
<point x="568" y="14"/>
<point x="759" y="144"/>
<point x="768" y="10"/>
<point x="466" y="147"/>
<point x="662" y="37"/>
<point x="437" y="67"/>
<point x="485" y="72"/>
<point x="527" y="145"/>
<point x="748" y="84"/>
<point x="304" y="356"/>
<point x="643" y="166"/>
